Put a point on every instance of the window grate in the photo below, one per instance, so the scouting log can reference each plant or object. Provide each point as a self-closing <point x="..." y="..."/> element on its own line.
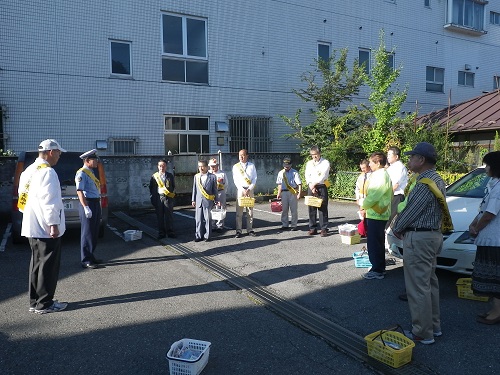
<point x="250" y="132"/>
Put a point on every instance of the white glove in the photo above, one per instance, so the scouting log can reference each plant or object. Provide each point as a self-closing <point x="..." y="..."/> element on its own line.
<point x="88" y="212"/>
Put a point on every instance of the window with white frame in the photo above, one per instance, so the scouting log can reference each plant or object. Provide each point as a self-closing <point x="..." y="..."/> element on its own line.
<point x="120" y="58"/>
<point x="495" y="18"/>
<point x="466" y="79"/>
<point x="364" y="58"/>
<point x="496" y="82"/>
<point x="468" y="13"/>
<point x="187" y="134"/>
<point x="323" y="52"/>
<point x="434" y="79"/>
<point x="252" y="133"/>
<point x="184" y="49"/>
<point x="123" y="146"/>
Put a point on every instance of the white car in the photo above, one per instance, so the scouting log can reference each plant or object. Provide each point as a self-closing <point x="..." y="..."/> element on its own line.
<point x="463" y="197"/>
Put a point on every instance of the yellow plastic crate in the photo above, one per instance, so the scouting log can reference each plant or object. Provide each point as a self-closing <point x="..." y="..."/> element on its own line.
<point x="464" y="289"/>
<point x="351" y="240"/>
<point x="390" y="347"/>
<point x="313" y="201"/>
<point x="246" y="202"/>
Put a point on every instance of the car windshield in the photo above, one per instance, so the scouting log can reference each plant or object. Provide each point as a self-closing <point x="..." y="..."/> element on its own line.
<point x="66" y="167"/>
<point x="472" y="185"/>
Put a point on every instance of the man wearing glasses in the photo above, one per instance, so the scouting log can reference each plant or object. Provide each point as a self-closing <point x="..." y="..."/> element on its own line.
<point x="317" y="172"/>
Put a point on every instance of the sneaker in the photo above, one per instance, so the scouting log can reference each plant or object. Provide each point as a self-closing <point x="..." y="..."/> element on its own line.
<point x="293" y="229"/>
<point x="238" y="235"/>
<point x="32" y="309"/>
<point x="55" y="307"/>
<point x="312" y="232"/>
<point x="419" y="339"/>
<point x="370" y="275"/>
<point x="252" y="233"/>
<point x="324" y="233"/>
<point x="438" y="334"/>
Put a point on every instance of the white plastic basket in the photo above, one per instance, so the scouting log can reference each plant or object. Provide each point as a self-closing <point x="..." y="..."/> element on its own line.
<point x="218" y="214"/>
<point x="181" y="366"/>
<point x="132" y="235"/>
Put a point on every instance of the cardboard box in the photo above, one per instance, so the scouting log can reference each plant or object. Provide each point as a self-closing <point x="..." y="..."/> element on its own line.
<point x="351" y="240"/>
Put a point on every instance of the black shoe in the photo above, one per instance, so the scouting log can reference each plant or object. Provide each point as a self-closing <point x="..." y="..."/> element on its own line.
<point x="90" y="265"/>
<point x="207" y="239"/>
<point x="403" y="297"/>
<point x="172" y="235"/>
<point x="160" y="236"/>
<point x="197" y="239"/>
<point x="293" y="229"/>
<point x="252" y="233"/>
<point x="97" y="261"/>
<point x="238" y="235"/>
<point x="284" y="228"/>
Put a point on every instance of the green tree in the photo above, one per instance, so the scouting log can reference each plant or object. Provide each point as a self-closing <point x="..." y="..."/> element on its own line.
<point x="386" y="100"/>
<point x="496" y="144"/>
<point x="330" y="86"/>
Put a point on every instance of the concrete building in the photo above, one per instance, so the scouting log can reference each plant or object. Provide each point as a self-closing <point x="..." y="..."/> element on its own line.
<point x="149" y="77"/>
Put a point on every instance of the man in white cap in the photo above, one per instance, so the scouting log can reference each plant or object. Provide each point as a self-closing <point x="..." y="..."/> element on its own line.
<point x="218" y="225"/>
<point x="88" y="189"/>
<point x="289" y="189"/>
<point x="43" y="224"/>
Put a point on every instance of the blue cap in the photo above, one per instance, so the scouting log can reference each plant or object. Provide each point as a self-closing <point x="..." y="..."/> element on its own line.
<point x="424" y="149"/>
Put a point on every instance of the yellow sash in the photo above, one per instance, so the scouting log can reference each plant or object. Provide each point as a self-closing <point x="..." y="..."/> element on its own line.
<point x="202" y="190"/>
<point x="23" y="198"/>
<point x="409" y="187"/>
<point x="161" y="186"/>
<point x="285" y="180"/>
<point x="92" y="176"/>
<point x="244" y="174"/>
<point x="446" y="224"/>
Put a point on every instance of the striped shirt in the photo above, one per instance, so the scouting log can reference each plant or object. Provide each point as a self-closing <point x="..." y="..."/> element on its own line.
<point x="423" y="209"/>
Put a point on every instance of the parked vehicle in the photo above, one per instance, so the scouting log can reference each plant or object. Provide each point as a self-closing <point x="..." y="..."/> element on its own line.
<point x="66" y="169"/>
<point x="463" y="197"/>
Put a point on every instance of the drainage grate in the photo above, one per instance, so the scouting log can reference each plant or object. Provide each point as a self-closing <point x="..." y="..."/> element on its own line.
<point x="336" y="335"/>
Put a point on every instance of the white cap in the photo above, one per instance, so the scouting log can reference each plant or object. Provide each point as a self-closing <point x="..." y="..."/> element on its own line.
<point x="92" y="154"/>
<point x="50" y="144"/>
<point x="212" y="162"/>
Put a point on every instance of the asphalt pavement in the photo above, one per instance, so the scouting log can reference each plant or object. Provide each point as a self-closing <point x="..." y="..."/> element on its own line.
<point x="122" y="318"/>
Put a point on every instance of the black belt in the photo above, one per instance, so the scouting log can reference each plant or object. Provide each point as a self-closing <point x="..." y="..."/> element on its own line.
<point x="421" y="230"/>
<point x="93" y="199"/>
<point x="284" y="189"/>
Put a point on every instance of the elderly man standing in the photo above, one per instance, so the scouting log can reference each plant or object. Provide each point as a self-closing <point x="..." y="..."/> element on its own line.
<point x="289" y="189"/>
<point x="161" y="194"/>
<point x="419" y="224"/>
<point x="399" y="178"/>
<point x="317" y="172"/>
<point x="218" y="225"/>
<point x="43" y="224"/>
<point x="244" y="178"/>
<point x="203" y="199"/>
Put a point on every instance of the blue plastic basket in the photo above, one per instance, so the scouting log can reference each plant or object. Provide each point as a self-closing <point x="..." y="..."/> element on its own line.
<point x="361" y="259"/>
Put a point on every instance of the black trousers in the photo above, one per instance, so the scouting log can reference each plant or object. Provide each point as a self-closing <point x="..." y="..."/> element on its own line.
<point x="44" y="271"/>
<point x="164" y="209"/>
<point x="323" y="210"/>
